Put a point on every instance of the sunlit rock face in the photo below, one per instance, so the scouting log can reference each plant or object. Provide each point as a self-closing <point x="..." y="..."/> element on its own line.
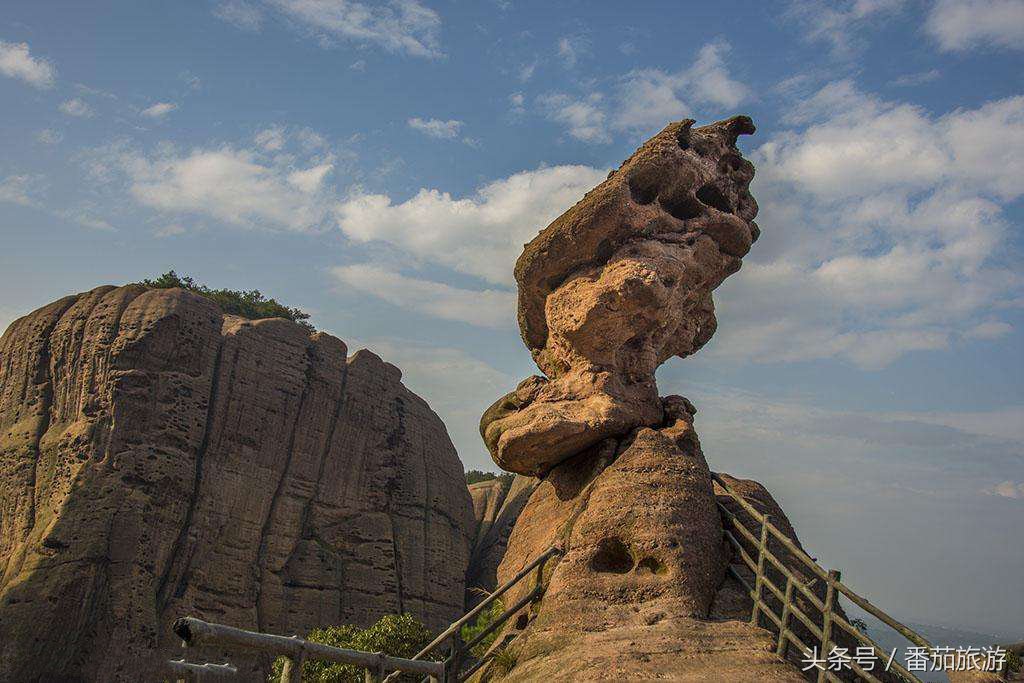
<point x="617" y="285"/>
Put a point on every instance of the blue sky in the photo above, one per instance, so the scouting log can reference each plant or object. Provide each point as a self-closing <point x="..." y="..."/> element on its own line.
<point x="381" y="164"/>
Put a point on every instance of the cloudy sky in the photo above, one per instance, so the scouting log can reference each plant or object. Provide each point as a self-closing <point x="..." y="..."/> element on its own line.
<point x="381" y="164"/>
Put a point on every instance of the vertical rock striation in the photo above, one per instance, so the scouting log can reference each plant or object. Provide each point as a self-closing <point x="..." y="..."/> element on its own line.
<point x="159" y="458"/>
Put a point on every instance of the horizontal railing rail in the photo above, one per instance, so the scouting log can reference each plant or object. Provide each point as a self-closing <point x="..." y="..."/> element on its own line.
<point x="796" y="588"/>
<point x="197" y="633"/>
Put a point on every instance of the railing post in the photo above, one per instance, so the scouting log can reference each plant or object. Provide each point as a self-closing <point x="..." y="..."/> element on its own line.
<point x="454" y="662"/>
<point x="759" y="578"/>
<point x="783" y="645"/>
<point x="826" y="619"/>
<point x="539" y="583"/>
<point x="291" y="672"/>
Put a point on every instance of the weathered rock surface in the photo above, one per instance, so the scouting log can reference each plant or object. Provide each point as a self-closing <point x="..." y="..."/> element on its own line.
<point x="617" y="285"/>
<point x="497" y="512"/>
<point x="158" y="458"/>
<point x="635" y="595"/>
<point x="613" y="288"/>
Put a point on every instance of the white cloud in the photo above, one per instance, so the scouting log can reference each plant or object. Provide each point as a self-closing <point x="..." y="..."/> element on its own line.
<point x="1006" y="489"/>
<point x="310" y="180"/>
<point x="77" y="107"/>
<point x="358" y="65"/>
<point x="963" y="24"/>
<point x="883" y="232"/>
<point x="238" y="186"/>
<point x="583" y="117"/>
<point x="271" y="139"/>
<point x="17" y="62"/>
<point x="571" y="48"/>
<point x="170" y="230"/>
<point x="484" y="308"/>
<point x="436" y="128"/>
<point x="839" y="24"/>
<point x="241" y="14"/>
<point x="159" y="110"/>
<point x="517" y="102"/>
<point x="862" y="144"/>
<point x="990" y="329"/>
<point x="710" y="80"/>
<point x="49" y="136"/>
<point x="400" y="26"/>
<point x="21" y="189"/>
<point x="84" y="218"/>
<point x="527" y="70"/>
<point x="919" y="78"/>
<point x="481" y="235"/>
<point x="650" y="98"/>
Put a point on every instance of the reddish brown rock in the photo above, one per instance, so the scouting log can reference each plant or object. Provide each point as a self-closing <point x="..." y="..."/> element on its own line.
<point x="158" y="458"/>
<point x="633" y="594"/>
<point x="617" y="285"/>
<point x="494" y="527"/>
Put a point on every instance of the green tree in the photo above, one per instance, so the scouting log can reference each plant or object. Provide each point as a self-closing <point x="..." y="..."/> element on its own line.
<point x="249" y="304"/>
<point x="396" y="635"/>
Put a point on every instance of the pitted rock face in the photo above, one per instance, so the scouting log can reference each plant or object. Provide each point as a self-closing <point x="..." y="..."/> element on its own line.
<point x="617" y="285"/>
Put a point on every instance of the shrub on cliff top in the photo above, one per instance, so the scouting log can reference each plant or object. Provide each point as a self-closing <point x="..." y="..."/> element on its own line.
<point x="247" y="304"/>
<point x="396" y="635"/>
<point x="474" y="476"/>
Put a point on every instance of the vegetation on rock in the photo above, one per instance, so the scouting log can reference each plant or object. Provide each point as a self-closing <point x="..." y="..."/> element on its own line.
<point x="249" y="304"/>
<point x="475" y="476"/>
<point x="483" y="621"/>
<point x="395" y="635"/>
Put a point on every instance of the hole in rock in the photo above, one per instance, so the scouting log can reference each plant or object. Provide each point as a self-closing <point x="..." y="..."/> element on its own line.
<point x="682" y="205"/>
<point x="521" y="621"/>
<point x="712" y="196"/>
<point x="612" y="557"/>
<point x="650" y="565"/>
<point x="643" y="187"/>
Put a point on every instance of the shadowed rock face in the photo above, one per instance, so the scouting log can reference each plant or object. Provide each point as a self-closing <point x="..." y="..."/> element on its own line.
<point x="496" y="511"/>
<point x="158" y="459"/>
<point x="617" y="285"/>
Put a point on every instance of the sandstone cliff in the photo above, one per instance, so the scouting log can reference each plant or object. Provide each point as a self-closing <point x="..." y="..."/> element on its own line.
<point x="497" y="508"/>
<point x="158" y="458"/>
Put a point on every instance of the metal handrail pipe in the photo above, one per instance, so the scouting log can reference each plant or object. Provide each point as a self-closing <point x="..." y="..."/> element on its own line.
<point x="195" y="632"/>
<point x="200" y="672"/>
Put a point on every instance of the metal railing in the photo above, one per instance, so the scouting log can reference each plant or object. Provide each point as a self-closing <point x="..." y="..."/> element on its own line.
<point x="459" y="652"/>
<point x="197" y="633"/>
<point x="795" y="588"/>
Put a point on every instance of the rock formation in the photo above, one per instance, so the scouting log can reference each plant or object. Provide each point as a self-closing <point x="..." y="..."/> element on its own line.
<point x="159" y="458"/>
<point x="497" y="508"/>
<point x="617" y="285"/>
<point x="608" y="292"/>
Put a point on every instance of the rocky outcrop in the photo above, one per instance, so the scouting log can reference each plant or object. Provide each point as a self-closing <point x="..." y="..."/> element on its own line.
<point x="617" y="285"/>
<point x="159" y="458"/>
<point x="638" y="591"/>
<point x="609" y="291"/>
<point x="497" y="509"/>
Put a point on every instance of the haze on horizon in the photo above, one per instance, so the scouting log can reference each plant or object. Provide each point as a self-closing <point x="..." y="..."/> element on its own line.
<point x="381" y="164"/>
